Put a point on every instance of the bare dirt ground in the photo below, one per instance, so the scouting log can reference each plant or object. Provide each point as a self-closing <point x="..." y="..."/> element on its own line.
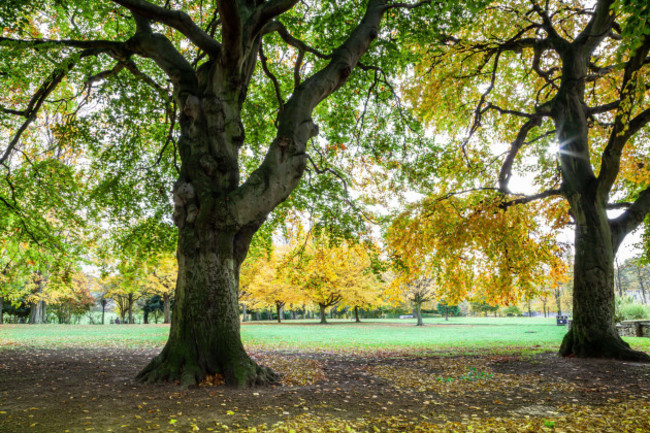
<point x="77" y="390"/>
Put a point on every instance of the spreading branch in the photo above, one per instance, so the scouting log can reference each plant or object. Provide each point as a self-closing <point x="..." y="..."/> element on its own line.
<point x="631" y="218"/>
<point x="175" y="19"/>
<point x="624" y="127"/>
<point x="38" y="99"/>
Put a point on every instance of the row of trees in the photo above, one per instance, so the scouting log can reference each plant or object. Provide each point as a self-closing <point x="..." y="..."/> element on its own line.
<point x="74" y="293"/>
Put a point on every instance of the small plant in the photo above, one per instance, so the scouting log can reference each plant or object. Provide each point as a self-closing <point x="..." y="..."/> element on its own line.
<point x="549" y="424"/>
<point x="474" y="374"/>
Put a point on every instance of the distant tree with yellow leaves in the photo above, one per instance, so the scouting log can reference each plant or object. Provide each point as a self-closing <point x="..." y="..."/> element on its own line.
<point x="160" y="280"/>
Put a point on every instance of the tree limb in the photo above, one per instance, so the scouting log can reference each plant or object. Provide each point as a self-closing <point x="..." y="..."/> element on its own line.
<point x="276" y="26"/>
<point x="37" y="100"/>
<point x="273" y="78"/>
<point x="286" y="158"/>
<point x="231" y="30"/>
<point x="506" y="169"/>
<point x="631" y="218"/>
<point x="160" y="49"/>
<point x="624" y="128"/>
<point x="266" y="12"/>
<point x="529" y="198"/>
<point x="176" y="19"/>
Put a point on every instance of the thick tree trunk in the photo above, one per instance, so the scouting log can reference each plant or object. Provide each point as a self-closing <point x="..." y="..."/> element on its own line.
<point x="166" y="307"/>
<point x="204" y="337"/>
<point x="38" y="314"/>
<point x="145" y="317"/>
<point x="418" y="314"/>
<point x="356" y="315"/>
<point x="323" y="319"/>
<point x="593" y="332"/>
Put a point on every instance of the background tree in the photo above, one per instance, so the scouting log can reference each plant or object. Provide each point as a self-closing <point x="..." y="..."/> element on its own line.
<point x="161" y="281"/>
<point x="483" y="307"/>
<point x="361" y="288"/>
<point x="446" y="310"/>
<point x="577" y="117"/>
<point x="419" y="291"/>
<point x="471" y="248"/>
<point x="73" y="299"/>
<point x="271" y="287"/>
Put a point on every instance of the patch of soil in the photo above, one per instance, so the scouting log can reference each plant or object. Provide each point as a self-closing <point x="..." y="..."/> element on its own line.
<point x="79" y="390"/>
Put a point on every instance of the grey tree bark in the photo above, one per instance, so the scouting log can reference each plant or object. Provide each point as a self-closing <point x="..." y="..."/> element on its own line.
<point x="418" y="314"/>
<point x="167" y="308"/>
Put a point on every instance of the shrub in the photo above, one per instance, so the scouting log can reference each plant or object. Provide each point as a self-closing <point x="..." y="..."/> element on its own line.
<point x="635" y="312"/>
<point x="512" y="311"/>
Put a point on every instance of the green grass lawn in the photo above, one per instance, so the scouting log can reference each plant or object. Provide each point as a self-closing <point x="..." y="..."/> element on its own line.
<point x="458" y="335"/>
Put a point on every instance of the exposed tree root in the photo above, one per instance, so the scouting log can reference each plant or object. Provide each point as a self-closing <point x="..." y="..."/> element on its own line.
<point x="243" y="373"/>
<point x="607" y="345"/>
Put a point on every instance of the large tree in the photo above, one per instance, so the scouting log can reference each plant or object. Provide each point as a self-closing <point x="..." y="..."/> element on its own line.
<point x="558" y="89"/>
<point x="208" y="53"/>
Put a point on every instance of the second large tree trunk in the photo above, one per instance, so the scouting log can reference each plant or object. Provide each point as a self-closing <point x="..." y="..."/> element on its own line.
<point x="204" y="337"/>
<point x="593" y="331"/>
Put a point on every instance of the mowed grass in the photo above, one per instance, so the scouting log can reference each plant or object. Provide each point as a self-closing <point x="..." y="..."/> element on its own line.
<point x="457" y="336"/>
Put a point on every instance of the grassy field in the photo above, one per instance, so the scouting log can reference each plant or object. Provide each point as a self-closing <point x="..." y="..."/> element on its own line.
<point x="458" y="335"/>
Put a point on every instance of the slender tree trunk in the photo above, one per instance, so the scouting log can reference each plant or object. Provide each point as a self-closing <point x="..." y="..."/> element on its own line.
<point x="244" y="314"/>
<point x="418" y="314"/>
<point x="130" y="300"/>
<point x="323" y="319"/>
<point x="2" y="302"/>
<point x="145" y="317"/>
<point x="278" y="309"/>
<point x="593" y="332"/>
<point x="617" y="273"/>
<point x="530" y="313"/>
<point x="103" y="302"/>
<point x="166" y="306"/>
<point x="558" y="300"/>
<point x="642" y="285"/>
<point x="356" y="314"/>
